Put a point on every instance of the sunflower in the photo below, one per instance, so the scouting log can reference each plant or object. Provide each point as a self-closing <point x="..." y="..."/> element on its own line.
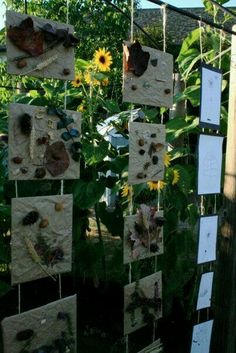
<point x="176" y="177"/>
<point x="89" y="79"/>
<point x="102" y="59"/>
<point x="78" y="81"/>
<point x="166" y="160"/>
<point x="126" y="191"/>
<point x="156" y="185"/>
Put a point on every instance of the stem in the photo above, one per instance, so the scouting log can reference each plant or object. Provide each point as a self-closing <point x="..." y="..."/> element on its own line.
<point x="101" y="241"/>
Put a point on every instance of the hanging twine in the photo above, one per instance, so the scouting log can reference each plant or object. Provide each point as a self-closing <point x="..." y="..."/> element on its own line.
<point x="202" y="208"/>
<point x="164" y="22"/>
<point x="19" y="299"/>
<point x="200" y="39"/>
<point x="220" y="49"/>
<point x="59" y="282"/>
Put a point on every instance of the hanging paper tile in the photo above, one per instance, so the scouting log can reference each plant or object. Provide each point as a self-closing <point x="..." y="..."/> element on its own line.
<point x="155" y="347"/>
<point x="201" y="338"/>
<point x="40" y="47"/>
<point x="207" y="239"/>
<point x="50" y="328"/>
<point x="148" y="76"/>
<point x="43" y="143"/>
<point x="205" y="290"/>
<point x="146" y="152"/>
<point x="41" y="237"/>
<point x="210" y="106"/>
<point x="143" y="234"/>
<point x="142" y="302"/>
<point x="209" y="164"/>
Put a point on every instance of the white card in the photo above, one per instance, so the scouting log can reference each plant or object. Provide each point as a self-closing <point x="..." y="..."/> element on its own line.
<point x="207" y="239"/>
<point x="205" y="290"/>
<point x="209" y="164"/>
<point x="211" y="82"/>
<point x="201" y="338"/>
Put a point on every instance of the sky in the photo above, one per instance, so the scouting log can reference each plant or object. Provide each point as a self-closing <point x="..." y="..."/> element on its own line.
<point x="144" y="3"/>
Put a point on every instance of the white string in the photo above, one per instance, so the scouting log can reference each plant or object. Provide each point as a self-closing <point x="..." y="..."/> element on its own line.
<point x="59" y="282"/>
<point x="16" y="188"/>
<point x="67" y="11"/>
<point x="126" y="344"/>
<point x="201" y="45"/>
<point x="164" y="21"/>
<point x="215" y="199"/>
<point x="220" y="49"/>
<point x="130" y="273"/>
<point x="202" y="209"/>
<point x="198" y="317"/>
<point x="62" y="187"/>
<point x="132" y="22"/>
<point x="19" y="299"/>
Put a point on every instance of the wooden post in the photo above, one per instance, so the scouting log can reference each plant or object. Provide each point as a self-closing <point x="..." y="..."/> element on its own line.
<point x="224" y="303"/>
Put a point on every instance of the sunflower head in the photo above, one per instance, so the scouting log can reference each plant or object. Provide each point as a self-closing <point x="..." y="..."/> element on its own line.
<point x="126" y="191"/>
<point x="176" y="177"/>
<point x="78" y="80"/>
<point x="166" y="160"/>
<point x="156" y="185"/>
<point x="102" y="59"/>
<point x="90" y="80"/>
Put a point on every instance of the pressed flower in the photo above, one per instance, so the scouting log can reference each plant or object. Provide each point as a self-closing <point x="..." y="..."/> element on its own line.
<point x="156" y="185"/>
<point x="102" y="59"/>
<point x="78" y="81"/>
<point x="126" y="191"/>
<point x="89" y="79"/>
<point x="166" y="160"/>
<point x="176" y="177"/>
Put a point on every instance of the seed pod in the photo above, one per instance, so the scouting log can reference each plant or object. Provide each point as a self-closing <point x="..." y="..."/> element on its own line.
<point x="141" y="175"/>
<point x="167" y="91"/>
<point x="24" y="170"/>
<point x="24" y="335"/>
<point x="154" y="160"/>
<point x="17" y="160"/>
<point x="30" y="218"/>
<point x="25" y="123"/>
<point x="141" y="142"/>
<point x="142" y="152"/>
<point x="40" y="173"/>
<point x="59" y="206"/>
<point x="21" y="63"/>
<point x="133" y="87"/>
<point x="153" y="135"/>
<point x="66" y="72"/>
<point x="44" y="223"/>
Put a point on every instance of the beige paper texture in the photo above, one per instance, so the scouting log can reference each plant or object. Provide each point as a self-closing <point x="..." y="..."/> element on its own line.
<point x="30" y="151"/>
<point x="47" y="324"/>
<point x="140" y="245"/>
<point x="146" y="152"/>
<point x="57" y="235"/>
<point x="155" y="86"/>
<point x="64" y="56"/>
<point x="149" y="287"/>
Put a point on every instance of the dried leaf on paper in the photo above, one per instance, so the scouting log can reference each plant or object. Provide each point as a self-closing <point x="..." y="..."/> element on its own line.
<point x="26" y="38"/>
<point x="136" y="59"/>
<point x="56" y="158"/>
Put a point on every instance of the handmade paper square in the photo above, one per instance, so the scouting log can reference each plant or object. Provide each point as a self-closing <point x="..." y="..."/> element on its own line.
<point x="147" y="76"/>
<point x="209" y="164"/>
<point x="41" y="237"/>
<point x="205" y="290"/>
<point x="43" y="143"/>
<point x="210" y="105"/>
<point x="50" y="328"/>
<point x="201" y="338"/>
<point x="208" y="226"/>
<point x="143" y="234"/>
<point x="146" y="152"/>
<point x="142" y="299"/>
<point x="39" y="47"/>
